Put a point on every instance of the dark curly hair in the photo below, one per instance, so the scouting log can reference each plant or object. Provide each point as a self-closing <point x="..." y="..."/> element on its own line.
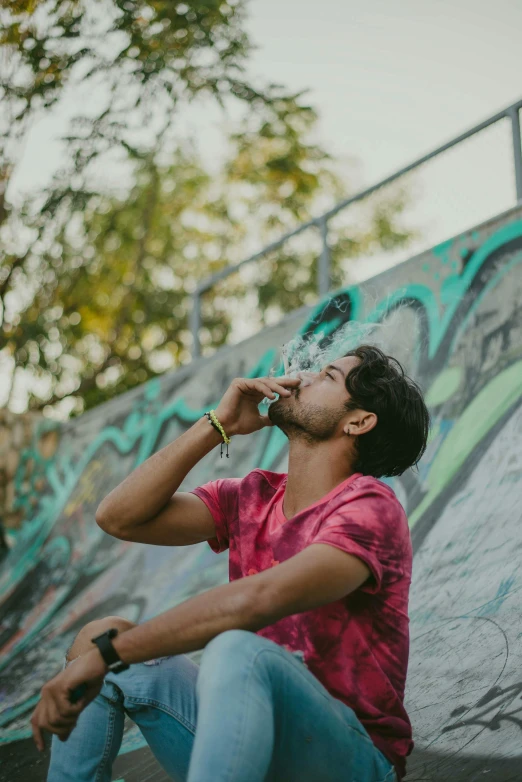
<point x="398" y="440"/>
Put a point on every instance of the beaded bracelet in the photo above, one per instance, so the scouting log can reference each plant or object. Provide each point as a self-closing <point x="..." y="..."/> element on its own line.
<point x="217" y="426"/>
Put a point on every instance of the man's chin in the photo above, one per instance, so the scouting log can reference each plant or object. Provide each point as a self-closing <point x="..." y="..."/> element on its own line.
<point x="279" y="413"/>
<point x="274" y="410"/>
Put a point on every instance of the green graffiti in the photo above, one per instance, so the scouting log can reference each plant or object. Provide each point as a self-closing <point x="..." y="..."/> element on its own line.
<point x="444" y="386"/>
<point x="434" y="289"/>
<point x="475" y="422"/>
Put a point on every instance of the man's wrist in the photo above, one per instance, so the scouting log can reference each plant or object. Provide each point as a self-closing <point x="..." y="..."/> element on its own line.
<point x="212" y="436"/>
<point x="227" y="426"/>
<point x="108" y="652"/>
<point x="229" y="431"/>
<point x="98" y="662"/>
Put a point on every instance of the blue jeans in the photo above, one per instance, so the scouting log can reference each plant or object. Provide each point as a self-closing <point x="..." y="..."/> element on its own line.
<point x="251" y="711"/>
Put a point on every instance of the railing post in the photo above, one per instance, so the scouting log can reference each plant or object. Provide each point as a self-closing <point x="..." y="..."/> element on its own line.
<point x="323" y="270"/>
<point x="517" y="150"/>
<point x="195" y="324"/>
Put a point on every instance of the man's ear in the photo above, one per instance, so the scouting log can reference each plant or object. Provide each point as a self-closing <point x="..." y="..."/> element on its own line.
<point x="364" y="422"/>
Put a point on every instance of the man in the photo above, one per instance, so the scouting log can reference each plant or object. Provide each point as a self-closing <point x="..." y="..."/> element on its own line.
<point x="306" y="649"/>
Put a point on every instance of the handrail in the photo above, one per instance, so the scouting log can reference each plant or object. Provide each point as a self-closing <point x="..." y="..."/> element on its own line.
<point x="321" y="222"/>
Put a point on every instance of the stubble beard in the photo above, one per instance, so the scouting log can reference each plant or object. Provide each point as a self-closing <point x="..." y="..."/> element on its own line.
<point x="311" y="423"/>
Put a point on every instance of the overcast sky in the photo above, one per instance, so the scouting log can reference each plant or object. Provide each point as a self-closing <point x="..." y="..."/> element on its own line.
<point x="391" y="79"/>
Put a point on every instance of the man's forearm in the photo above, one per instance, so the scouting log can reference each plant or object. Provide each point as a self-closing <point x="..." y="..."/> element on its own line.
<point x="148" y="488"/>
<point x="238" y="605"/>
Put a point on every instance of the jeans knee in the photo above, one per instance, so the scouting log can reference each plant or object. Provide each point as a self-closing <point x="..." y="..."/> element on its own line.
<point x="83" y="643"/>
<point x="228" y="651"/>
<point x="230" y="642"/>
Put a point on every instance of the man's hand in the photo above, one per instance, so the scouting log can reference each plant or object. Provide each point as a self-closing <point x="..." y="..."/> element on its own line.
<point x="55" y="712"/>
<point x="238" y="410"/>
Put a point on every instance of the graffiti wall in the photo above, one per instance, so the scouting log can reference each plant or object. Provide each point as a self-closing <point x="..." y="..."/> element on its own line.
<point x="453" y="316"/>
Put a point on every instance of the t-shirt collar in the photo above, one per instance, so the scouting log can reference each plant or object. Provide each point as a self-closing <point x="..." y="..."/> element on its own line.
<point x="278" y="509"/>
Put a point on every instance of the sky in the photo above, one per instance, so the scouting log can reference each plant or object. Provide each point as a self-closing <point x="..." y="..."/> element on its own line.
<point x="390" y="81"/>
<point x="394" y="80"/>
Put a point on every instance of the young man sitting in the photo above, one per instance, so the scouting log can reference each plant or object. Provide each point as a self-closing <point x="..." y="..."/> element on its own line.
<point x="305" y="651"/>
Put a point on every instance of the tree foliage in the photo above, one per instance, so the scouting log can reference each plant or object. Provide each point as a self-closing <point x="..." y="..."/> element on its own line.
<point x="95" y="285"/>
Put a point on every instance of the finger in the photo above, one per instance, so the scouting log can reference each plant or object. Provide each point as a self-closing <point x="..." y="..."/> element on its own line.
<point x="288" y="380"/>
<point x="62" y="722"/>
<point x="273" y="384"/>
<point x="38" y="738"/>
<point x="278" y="387"/>
<point x="68" y="709"/>
<point x="264" y="389"/>
<point x="37" y="735"/>
<point x="271" y="389"/>
<point x="74" y="710"/>
<point x="64" y="733"/>
<point x="56" y="716"/>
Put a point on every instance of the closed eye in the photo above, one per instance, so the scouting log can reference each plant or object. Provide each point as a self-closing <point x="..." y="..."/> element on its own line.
<point x="329" y="375"/>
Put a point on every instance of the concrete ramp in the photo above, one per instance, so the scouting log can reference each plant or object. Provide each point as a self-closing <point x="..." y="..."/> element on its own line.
<point x="454" y="317"/>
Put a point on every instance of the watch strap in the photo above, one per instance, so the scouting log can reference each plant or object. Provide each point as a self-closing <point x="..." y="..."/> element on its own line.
<point x="108" y="652"/>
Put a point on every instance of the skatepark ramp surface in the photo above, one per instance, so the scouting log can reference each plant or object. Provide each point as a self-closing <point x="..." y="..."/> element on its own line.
<point x="453" y="316"/>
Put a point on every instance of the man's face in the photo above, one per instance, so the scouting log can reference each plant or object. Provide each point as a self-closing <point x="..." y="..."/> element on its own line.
<point x="315" y="409"/>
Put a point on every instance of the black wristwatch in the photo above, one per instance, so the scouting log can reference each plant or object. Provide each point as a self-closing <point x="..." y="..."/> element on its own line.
<point x="108" y="652"/>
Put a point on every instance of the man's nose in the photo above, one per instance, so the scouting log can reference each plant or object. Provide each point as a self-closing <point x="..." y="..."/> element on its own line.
<point x="306" y="378"/>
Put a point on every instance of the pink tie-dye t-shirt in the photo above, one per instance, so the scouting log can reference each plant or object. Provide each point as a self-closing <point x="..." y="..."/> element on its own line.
<point x="357" y="647"/>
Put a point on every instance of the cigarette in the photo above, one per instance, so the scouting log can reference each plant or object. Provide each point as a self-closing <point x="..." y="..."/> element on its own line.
<point x="285" y="364"/>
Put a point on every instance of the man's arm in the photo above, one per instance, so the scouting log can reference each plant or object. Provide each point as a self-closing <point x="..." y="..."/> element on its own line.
<point x="318" y="575"/>
<point x="144" y="507"/>
<point x="148" y="494"/>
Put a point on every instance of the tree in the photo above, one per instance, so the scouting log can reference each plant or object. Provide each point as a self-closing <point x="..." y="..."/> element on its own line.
<point x="141" y="58"/>
<point x="95" y="286"/>
<point x="283" y="180"/>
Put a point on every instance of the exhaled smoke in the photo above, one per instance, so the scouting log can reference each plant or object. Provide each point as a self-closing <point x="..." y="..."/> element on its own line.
<point x="398" y="336"/>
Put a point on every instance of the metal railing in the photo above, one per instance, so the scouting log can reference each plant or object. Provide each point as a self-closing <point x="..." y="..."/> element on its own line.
<point x="321" y="222"/>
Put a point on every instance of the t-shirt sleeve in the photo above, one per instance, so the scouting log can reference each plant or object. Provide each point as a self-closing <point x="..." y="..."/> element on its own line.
<point x="369" y="527"/>
<point x="221" y="498"/>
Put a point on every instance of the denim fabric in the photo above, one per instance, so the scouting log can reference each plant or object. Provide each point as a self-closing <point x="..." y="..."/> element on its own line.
<point x="260" y="716"/>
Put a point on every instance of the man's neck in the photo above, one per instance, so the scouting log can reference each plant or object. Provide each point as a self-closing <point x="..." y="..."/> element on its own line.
<point x="313" y="471"/>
